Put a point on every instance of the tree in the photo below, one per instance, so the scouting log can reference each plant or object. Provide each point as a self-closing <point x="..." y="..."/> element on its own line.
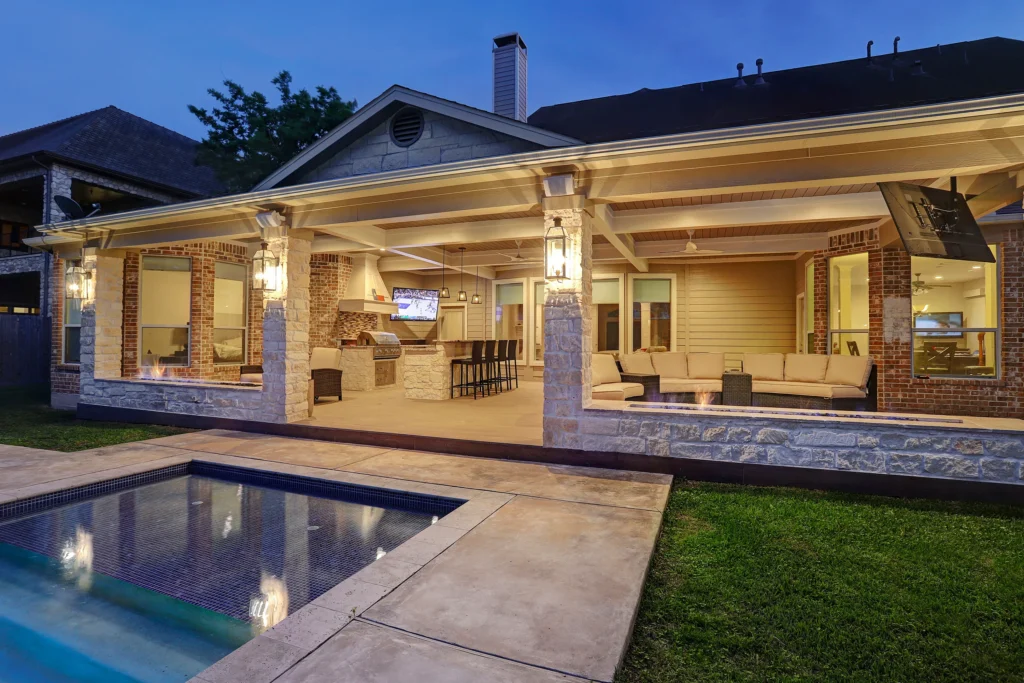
<point x="247" y="139"/>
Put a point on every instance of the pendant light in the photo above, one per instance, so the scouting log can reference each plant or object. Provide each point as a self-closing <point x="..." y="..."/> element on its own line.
<point x="476" y="289"/>
<point x="445" y="294"/>
<point x="264" y="269"/>
<point x="462" y="275"/>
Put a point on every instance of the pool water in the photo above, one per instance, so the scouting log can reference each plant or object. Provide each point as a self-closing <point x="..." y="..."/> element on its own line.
<point x="154" y="584"/>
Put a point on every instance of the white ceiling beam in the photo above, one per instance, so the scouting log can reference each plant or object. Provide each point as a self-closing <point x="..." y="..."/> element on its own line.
<point x="1002" y="194"/>
<point x="764" y="244"/>
<point x="465" y="233"/>
<point x="422" y="258"/>
<point x="604" y="224"/>
<point x="326" y="244"/>
<point x="366" y="235"/>
<point x="759" y="212"/>
<point x="148" y="237"/>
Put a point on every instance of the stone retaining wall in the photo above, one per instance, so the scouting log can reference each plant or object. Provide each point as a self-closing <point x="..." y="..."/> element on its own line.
<point x="956" y="453"/>
<point x="186" y="398"/>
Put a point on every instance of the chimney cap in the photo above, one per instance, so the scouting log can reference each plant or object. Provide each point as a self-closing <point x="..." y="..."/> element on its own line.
<point x="507" y="39"/>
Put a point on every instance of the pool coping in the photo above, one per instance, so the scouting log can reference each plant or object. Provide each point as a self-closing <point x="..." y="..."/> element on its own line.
<point x="277" y="649"/>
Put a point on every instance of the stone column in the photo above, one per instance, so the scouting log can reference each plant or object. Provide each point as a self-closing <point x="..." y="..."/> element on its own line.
<point x="568" y="328"/>
<point x="286" y="332"/>
<point x="101" y="318"/>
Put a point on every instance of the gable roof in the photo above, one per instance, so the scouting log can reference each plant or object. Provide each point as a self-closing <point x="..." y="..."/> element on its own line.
<point x="117" y="142"/>
<point x="947" y="73"/>
<point x="390" y="101"/>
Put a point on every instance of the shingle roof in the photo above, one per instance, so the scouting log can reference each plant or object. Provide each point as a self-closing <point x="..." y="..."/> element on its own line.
<point x="113" y="140"/>
<point x="961" y="71"/>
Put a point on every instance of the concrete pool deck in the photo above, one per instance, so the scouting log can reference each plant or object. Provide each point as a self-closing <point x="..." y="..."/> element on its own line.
<point x="536" y="578"/>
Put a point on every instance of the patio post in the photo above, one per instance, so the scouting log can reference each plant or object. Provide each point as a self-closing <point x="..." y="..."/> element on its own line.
<point x="567" y="326"/>
<point x="102" y="309"/>
<point x="286" y="331"/>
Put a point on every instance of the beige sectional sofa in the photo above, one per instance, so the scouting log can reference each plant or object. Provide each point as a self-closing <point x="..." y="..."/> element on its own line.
<point x="796" y="380"/>
<point x="680" y="375"/>
<point x="607" y="383"/>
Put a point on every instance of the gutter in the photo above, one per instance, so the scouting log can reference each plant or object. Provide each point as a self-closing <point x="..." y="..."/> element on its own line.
<point x="563" y="155"/>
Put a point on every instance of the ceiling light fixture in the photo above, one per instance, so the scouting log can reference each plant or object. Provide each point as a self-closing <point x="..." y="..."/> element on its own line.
<point x="462" y="276"/>
<point x="445" y="294"/>
<point x="476" y="289"/>
<point x="264" y="269"/>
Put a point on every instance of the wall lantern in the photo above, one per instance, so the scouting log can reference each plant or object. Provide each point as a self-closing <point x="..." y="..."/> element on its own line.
<point x="462" y="276"/>
<point x="76" y="282"/>
<point x="555" y="261"/>
<point x="476" y="296"/>
<point x="444" y="294"/>
<point x="264" y="269"/>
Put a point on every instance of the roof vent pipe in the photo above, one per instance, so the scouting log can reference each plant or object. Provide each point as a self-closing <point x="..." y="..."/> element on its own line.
<point x="509" y="95"/>
<point x="896" y="48"/>
<point x="871" y="59"/>
<point x="918" y="69"/>
<point x="740" y="83"/>
<point x="760" y="78"/>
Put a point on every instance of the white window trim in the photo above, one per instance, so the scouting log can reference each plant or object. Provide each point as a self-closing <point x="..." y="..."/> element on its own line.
<point x="526" y="313"/>
<point x="830" y="331"/>
<point x="64" y="335"/>
<point x="531" y="315"/>
<point x="245" y="316"/>
<point x="674" y="304"/>
<point x="465" y="318"/>
<point x="188" y="326"/>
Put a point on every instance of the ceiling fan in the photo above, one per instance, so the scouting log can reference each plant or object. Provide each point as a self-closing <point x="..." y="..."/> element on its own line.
<point x="691" y="249"/>
<point x="519" y="258"/>
<point x="921" y="287"/>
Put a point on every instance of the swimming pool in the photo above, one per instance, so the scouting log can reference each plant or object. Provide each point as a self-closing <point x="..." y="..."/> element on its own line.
<point x="154" y="583"/>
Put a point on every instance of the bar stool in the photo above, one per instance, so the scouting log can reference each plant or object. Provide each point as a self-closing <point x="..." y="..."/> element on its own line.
<point x="511" y="365"/>
<point x="468" y="366"/>
<point x="490" y="365"/>
<point x="500" y="377"/>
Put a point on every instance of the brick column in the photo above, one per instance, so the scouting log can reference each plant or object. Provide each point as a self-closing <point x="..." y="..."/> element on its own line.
<point x="567" y="333"/>
<point x="286" y="333"/>
<point x="894" y="365"/>
<point x="101" y="318"/>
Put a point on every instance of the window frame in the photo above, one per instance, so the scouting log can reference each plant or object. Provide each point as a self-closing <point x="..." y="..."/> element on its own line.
<point x="188" y="326"/>
<point x="64" y="325"/>
<point x="628" y="302"/>
<point x="526" y="313"/>
<point x="830" y="331"/>
<point x="246" y="288"/>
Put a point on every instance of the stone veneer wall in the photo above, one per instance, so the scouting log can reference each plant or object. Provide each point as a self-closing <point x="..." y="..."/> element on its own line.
<point x="242" y="403"/>
<point x="889" y="301"/>
<point x="882" y="448"/>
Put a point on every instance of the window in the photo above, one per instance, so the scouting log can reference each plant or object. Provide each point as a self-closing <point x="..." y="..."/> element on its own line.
<point x="606" y="330"/>
<point x="229" y="290"/>
<point x="956" y="317"/>
<point x="72" y="328"/>
<point x="808" y="339"/>
<point x="164" y="310"/>
<point x="652" y="303"/>
<point x="848" y="305"/>
<point x="537" y="348"/>
<point x="509" y="312"/>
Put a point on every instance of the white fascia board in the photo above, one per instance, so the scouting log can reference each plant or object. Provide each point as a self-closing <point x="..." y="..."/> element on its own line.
<point x="397" y="93"/>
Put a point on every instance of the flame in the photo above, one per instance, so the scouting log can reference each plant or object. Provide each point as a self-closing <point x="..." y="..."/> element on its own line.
<point x="155" y="370"/>
<point x="704" y="398"/>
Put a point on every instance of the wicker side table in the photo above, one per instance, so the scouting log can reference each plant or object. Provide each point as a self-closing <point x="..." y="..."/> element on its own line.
<point x="652" y="385"/>
<point x="736" y="389"/>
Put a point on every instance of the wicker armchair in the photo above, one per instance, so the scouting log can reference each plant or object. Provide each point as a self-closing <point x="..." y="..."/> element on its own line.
<point x="325" y="369"/>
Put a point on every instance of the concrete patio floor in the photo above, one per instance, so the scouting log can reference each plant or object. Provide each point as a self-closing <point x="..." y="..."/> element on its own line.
<point x="536" y="578"/>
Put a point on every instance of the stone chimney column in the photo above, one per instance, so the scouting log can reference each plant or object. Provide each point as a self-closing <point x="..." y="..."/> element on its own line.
<point x="101" y="332"/>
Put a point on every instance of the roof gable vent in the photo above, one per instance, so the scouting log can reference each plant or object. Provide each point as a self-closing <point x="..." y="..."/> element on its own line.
<point x="406" y="126"/>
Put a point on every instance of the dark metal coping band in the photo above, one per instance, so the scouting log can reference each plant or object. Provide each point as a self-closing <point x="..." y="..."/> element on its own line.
<point x="292" y="483"/>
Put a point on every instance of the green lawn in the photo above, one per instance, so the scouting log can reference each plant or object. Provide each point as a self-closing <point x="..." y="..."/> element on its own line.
<point x="27" y="420"/>
<point x="755" y="584"/>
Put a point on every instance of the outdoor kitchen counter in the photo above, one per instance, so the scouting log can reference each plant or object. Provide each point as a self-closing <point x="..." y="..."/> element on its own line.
<point x="362" y="372"/>
<point x="428" y="369"/>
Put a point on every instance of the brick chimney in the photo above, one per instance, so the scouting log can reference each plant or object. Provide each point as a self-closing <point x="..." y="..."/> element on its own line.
<point x="510" y="76"/>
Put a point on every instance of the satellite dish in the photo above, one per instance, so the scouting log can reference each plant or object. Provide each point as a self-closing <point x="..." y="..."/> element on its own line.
<point x="72" y="209"/>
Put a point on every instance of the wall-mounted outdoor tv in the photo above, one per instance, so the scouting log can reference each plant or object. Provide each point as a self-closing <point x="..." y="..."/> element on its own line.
<point x="943" y="324"/>
<point x="415" y="305"/>
<point x="935" y="223"/>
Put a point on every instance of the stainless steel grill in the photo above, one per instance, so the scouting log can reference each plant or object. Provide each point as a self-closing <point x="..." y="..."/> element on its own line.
<point x="385" y="344"/>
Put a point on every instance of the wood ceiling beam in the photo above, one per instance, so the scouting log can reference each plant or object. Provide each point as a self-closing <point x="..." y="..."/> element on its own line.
<point x="422" y="258"/>
<point x="1005" y="192"/>
<point x="604" y="224"/>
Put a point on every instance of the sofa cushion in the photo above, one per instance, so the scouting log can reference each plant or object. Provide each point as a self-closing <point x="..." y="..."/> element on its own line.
<point x="617" y="391"/>
<point x="688" y="386"/>
<point x="805" y="367"/>
<point x="815" y="389"/>
<point x="603" y="370"/>
<point x="765" y="366"/>
<point x="251" y="378"/>
<point x="851" y="370"/>
<point x="324" y="358"/>
<point x="670" y="364"/>
<point x="705" y="365"/>
<point x="638" y="363"/>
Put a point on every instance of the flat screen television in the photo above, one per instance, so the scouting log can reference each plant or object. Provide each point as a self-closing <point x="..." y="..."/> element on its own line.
<point x="415" y="305"/>
<point x="935" y="223"/>
<point x="944" y="324"/>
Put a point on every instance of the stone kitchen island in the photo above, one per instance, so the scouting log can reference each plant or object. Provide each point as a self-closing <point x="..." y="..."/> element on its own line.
<point x="427" y="372"/>
<point x="375" y="362"/>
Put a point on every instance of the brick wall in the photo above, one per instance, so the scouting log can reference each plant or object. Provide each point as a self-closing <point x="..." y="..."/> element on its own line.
<point x="324" y="292"/>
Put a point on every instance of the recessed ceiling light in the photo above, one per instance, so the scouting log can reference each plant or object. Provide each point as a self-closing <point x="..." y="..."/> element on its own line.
<point x="975" y="267"/>
<point x="938" y="277"/>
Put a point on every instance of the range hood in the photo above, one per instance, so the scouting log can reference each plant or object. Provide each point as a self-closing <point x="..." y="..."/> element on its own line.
<point x="363" y="284"/>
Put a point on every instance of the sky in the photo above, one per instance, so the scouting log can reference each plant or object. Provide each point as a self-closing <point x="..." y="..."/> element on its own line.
<point x="153" y="58"/>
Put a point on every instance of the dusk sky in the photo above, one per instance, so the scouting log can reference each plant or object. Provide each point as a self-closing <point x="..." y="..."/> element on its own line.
<point x="152" y="59"/>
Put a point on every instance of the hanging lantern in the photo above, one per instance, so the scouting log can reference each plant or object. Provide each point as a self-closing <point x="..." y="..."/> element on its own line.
<point x="445" y="294"/>
<point x="264" y="269"/>
<point x="476" y="296"/>
<point x="462" y="276"/>
<point x="555" y="261"/>
<point x="76" y="283"/>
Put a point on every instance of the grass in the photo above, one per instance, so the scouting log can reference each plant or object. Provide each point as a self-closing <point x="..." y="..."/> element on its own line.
<point x="26" y="419"/>
<point x="755" y="584"/>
